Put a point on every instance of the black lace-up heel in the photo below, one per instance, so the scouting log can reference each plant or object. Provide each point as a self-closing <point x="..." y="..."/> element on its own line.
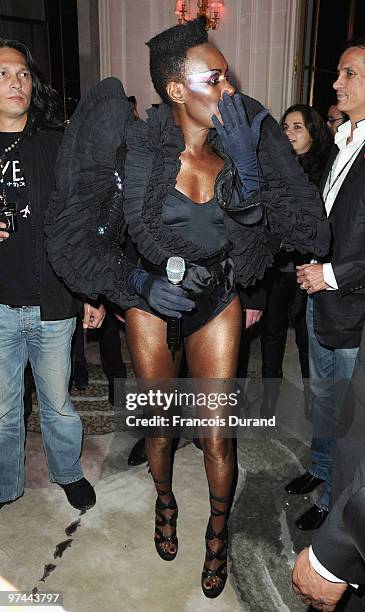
<point x="214" y="580"/>
<point x="163" y="542"/>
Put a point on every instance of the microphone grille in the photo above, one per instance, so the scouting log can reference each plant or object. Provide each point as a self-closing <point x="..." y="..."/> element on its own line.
<point x="175" y="269"/>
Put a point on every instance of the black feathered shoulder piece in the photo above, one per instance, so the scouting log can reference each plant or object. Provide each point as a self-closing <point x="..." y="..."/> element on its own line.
<point x="84" y="223"/>
<point x="294" y="207"/>
<point x="114" y="173"/>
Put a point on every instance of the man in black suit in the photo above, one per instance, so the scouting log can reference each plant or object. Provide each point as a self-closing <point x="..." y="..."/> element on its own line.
<point x="336" y="308"/>
<point x="338" y="548"/>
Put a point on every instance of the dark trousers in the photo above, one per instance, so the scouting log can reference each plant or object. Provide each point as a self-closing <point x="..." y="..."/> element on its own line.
<point x="285" y="303"/>
<point x="110" y="348"/>
<point x="109" y="344"/>
<point x="78" y="346"/>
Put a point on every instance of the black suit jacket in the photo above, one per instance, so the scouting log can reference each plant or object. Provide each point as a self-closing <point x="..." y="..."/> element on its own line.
<point x="333" y="544"/>
<point x="339" y="315"/>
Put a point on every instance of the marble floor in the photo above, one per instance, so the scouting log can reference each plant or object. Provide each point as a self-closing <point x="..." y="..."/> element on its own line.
<point x="105" y="559"/>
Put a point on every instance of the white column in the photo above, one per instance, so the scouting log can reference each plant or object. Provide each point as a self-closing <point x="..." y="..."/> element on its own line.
<point x="291" y="50"/>
<point x="104" y="38"/>
<point x="89" y="53"/>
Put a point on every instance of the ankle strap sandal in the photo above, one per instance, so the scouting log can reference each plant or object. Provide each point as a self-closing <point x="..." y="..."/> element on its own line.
<point x="166" y="545"/>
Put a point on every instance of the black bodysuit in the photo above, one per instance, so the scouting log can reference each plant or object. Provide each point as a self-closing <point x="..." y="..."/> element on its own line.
<point x="204" y="224"/>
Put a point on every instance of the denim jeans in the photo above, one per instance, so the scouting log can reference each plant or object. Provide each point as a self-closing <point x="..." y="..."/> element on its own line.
<point x="47" y="345"/>
<point x="330" y="371"/>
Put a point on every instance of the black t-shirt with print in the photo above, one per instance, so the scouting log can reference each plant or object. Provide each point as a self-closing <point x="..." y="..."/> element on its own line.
<point x="18" y="279"/>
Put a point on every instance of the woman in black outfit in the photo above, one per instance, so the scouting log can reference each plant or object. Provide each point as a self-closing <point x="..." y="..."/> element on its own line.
<point x="311" y="141"/>
<point x="182" y="188"/>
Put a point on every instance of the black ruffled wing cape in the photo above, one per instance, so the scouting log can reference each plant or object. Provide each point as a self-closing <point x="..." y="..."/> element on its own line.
<point x="93" y="263"/>
<point x="84" y="223"/>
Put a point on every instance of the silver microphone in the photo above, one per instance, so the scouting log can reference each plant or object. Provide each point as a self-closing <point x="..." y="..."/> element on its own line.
<point x="175" y="270"/>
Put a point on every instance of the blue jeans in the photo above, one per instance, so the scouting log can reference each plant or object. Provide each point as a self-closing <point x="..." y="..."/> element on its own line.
<point x="47" y="345"/>
<point x="330" y="371"/>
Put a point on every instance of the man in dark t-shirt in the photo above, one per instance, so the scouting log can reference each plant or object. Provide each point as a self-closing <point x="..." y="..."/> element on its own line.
<point x="37" y="312"/>
<point x="18" y="280"/>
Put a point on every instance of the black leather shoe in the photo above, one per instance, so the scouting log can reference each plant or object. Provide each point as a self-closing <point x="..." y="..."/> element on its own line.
<point x="138" y="453"/>
<point x="80" y="494"/>
<point x="312" y="519"/>
<point x="80" y="375"/>
<point x="304" y="484"/>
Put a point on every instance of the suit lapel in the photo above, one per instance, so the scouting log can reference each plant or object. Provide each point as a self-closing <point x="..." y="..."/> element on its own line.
<point x="347" y="185"/>
<point x="331" y="158"/>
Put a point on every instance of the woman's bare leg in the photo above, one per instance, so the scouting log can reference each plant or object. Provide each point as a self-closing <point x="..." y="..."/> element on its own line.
<point x="212" y="352"/>
<point x="151" y="359"/>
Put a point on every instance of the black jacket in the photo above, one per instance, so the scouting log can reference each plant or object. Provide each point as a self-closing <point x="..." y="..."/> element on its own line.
<point x="38" y="153"/>
<point x="339" y="315"/>
<point x="336" y="544"/>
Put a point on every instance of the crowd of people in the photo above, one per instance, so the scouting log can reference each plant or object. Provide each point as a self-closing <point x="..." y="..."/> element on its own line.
<point x="211" y="178"/>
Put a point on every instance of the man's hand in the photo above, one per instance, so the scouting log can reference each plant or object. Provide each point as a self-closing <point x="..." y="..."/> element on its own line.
<point x="310" y="278"/>
<point x="252" y="317"/>
<point x="93" y="317"/>
<point x="312" y="588"/>
<point x="3" y="235"/>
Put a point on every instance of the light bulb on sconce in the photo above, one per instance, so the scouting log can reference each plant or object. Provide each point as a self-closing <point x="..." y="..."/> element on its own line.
<point x="212" y="10"/>
<point x="182" y="11"/>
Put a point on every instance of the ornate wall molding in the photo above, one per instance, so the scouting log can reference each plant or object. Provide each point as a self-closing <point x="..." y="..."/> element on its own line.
<point x="292" y="36"/>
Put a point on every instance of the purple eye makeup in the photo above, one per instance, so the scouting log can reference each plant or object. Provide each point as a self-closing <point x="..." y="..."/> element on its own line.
<point x="198" y="80"/>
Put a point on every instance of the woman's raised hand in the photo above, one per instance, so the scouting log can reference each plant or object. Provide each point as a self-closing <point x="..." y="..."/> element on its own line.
<point x="240" y="139"/>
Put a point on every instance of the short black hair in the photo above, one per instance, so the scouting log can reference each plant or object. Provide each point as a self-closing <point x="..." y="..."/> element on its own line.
<point x="45" y="109"/>
<point x="355" y="42"/>
<point x="168" y="53"/>
<point x="344" y="116"/>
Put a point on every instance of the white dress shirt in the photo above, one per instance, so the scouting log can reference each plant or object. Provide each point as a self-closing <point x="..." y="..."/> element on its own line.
<point x="322" y="571"/>
<point x="346" y="155"/>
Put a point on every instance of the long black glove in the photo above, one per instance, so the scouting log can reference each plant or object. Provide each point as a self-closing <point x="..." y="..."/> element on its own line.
<point x="162" y="296"/>
<point x="240" y="139"/>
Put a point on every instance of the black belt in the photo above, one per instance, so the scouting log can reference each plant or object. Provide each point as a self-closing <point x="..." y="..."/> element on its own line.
<point x="201" y="281"/>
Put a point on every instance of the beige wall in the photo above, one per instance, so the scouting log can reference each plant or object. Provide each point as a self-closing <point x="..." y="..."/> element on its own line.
<point x="88" y="26"/>
<point x="258" y="38"/>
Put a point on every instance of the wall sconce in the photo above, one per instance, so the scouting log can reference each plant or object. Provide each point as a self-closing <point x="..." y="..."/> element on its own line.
<point x="182" y="11"/>
<point x="211" y="9"/>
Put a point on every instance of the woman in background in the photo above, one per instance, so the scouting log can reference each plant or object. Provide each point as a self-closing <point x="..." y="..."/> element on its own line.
<point x="311" y="141"/>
